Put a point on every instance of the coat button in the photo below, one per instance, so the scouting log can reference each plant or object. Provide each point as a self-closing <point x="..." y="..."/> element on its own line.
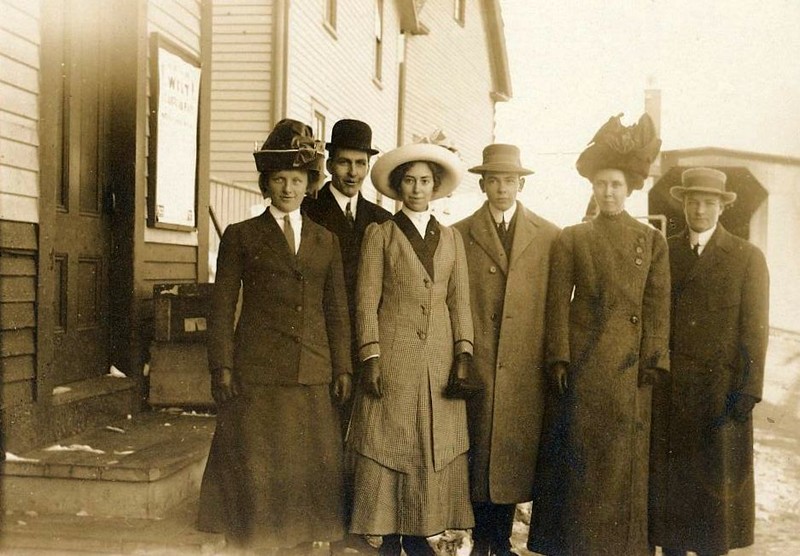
<point x="492" y="269"/>
<point x="427" y="284"/>
<point x="422" y="335"/>
<point x="297" y="339"/>
<point x="634" y="319"/>
<point x="299" y="275"/>
<point x="639" y="249"/>
<point x="638" y="261"/>
<point x="299" y="308"/>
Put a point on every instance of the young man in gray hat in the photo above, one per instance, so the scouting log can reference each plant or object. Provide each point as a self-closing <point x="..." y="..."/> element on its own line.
<point x="508" y="254"/>
<point x="702" y="495"/>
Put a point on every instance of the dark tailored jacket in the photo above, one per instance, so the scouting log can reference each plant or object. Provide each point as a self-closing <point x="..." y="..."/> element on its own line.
<point x="508" y="296"/>
<point x="608" y="318"/>
<point x="294" y="326"/>
<point x="324" y="210"/>
<point x="702" y="490"/>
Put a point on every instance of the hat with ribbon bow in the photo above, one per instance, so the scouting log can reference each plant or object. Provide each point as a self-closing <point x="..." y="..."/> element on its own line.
<point x="435" y="147"/>
<point x="291" y="146"/>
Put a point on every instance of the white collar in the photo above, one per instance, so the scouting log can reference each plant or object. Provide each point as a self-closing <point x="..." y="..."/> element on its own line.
<point x="506" y="215"/>
<point x="701" y="237"/>
<point x="419" y="219"/>
<point x="278" y="215"/>
<point x="342" y="200"/>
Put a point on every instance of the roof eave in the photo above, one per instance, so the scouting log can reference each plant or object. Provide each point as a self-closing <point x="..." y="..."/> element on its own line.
<point x="498" y="54"/>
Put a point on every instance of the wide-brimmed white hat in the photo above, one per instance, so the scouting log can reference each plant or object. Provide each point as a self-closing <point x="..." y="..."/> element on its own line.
<point x="418" y="152"/>
<point x="703" y="180"/>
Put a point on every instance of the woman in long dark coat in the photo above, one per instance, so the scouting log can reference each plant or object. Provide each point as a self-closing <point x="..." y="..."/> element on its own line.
<point x="274" y="473"/>
<point x="408" y="435"/>
<point x="607" y="338"/>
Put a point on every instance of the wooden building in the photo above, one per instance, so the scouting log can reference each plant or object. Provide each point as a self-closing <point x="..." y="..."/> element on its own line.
<point x="123" y="121"/>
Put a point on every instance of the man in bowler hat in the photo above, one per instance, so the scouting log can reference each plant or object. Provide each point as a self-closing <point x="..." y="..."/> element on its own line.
<point x="702" y="494"/>
<point x="508" y="254"/>
<point x="340" y="207"/>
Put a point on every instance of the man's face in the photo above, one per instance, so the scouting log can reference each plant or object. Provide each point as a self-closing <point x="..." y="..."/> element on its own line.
<point x="348" y="168"/>
<point x="702" y="210"/>
<point x="287" y="188"/>
<point x="501" y="188"/>
<point x="610" y="190"/>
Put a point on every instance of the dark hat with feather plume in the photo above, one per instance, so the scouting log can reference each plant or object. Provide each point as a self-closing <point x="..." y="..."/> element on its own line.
<point x="631" y="149"/>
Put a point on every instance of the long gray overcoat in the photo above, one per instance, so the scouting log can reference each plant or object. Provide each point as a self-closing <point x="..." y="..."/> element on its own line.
<point x="702" y="490"/>
<point x="608" y="317"/>
<point x="415" y="324"/>
<point x="507" y="296"/>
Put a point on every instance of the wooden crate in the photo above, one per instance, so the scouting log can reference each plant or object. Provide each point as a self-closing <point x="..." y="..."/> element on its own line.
<point x="179" y="375"/>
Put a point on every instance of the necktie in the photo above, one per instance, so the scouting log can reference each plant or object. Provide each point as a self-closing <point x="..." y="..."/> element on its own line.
<point x="502" y="232"/>
<point x="349" y="215"/>
<point x="288" y="232"/>
<point x="696" y="249"/>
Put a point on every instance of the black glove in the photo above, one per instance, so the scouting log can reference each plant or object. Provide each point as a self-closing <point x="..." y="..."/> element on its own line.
<point x="740" y="406"/>
<point x="558" y="377"/>
<point x="649" y="376"/>
<point x="371" y="377"/>
<point x="461" y="383"/>
<point x="342" y="387"/>
<point x="224" y="386"/>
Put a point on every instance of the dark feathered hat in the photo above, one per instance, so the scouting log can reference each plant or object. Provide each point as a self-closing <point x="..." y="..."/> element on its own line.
<point x="628" y="148"/>
<point x="291" y="146"/>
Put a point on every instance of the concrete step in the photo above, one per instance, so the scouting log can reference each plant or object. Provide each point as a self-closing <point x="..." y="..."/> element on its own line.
<point x="137" y="468"/>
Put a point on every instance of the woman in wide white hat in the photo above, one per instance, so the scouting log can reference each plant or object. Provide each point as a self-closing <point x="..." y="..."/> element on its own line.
<point x="408" y="434"/>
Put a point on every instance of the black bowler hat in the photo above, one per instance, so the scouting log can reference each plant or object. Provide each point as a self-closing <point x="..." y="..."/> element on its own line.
<point x="351" y="134"/>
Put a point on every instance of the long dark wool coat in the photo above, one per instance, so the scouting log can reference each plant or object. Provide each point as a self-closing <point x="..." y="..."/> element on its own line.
<point x="508" y="296"/>
<point x="702" y="491"/>
<point x="608" y="317"/>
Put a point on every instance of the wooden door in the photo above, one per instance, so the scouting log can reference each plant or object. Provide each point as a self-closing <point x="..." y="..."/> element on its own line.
<point x="82" y="230"/>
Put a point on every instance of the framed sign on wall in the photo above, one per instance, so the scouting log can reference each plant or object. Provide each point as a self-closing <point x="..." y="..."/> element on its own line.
<point x="172" y="157"/>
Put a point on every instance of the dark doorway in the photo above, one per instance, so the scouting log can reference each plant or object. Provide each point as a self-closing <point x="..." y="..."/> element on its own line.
<point x="74" y="200"/>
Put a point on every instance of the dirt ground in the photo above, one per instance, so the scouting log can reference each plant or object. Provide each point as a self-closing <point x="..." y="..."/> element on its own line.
<point x="777" y="457"/>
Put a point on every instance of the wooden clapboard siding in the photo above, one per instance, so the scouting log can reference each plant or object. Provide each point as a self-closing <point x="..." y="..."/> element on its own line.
<point x="17" y="312"/>
<point x="461" y="102"/>
<point x="327" y="71"/>
<point x="19" y="111"/>
<point x="179" y="20"/>
<point x="241" y="89"/>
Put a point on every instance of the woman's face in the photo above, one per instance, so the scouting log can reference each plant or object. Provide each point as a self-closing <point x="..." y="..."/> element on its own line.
<point x="610" y="190"/>
<point x="416" y="187"/>
<point x="287" y="188"/>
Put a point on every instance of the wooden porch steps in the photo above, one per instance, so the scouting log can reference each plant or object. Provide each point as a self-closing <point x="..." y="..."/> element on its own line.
<point x="139" y="467"/>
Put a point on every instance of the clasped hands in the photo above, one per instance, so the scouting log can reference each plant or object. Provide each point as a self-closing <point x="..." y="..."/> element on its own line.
<point x="225" y="386"/>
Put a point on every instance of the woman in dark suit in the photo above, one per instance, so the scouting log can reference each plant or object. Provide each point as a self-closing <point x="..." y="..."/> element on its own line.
<point x="274" y="474"/>
<point x="607" y="338"/>
<point x="409" y="427"/>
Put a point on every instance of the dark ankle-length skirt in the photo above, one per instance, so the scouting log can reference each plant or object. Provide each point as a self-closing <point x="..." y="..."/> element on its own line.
<point x="274" y="472"/>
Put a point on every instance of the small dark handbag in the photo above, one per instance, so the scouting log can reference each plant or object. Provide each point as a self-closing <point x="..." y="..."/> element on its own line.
<point x="461" y="383"/>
